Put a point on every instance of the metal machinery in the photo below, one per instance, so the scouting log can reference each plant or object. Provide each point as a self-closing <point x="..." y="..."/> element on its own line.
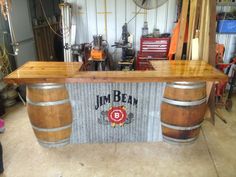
<point x="93" y="55"/>
<point x="81" y="53"/>
<point x="128" y="52"/>
<point x="99" y="53"/>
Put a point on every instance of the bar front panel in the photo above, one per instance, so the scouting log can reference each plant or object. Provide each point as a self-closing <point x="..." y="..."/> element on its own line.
<point x="116" y="112"/>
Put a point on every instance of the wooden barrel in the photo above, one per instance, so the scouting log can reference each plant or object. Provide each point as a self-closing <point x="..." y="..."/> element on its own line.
<point x="50" y="113"/>
<point x="182" y="111"/>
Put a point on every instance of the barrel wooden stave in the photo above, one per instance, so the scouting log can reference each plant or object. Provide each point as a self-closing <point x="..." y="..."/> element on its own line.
<point x="181" y="135"/>
<point x="44" y="95"/>
<point x="50" y="116"/>
<point x="53" y="136"/>
<point x="51" y="122"/>
<point x="182" y="123"/>
<point x="182" y="116"/>
<point x="181" y="94"/>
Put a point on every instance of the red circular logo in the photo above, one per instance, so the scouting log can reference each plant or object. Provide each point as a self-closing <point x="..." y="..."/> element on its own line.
<point x="117" y="115"/>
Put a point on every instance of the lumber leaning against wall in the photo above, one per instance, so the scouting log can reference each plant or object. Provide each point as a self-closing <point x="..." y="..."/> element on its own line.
<point x="201" y="37"/>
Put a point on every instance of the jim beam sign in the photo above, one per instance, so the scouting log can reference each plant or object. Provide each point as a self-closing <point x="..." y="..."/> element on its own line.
<point x="116" y="115"/>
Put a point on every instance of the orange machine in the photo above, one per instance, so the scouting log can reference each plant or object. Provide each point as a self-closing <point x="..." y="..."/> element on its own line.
<point x="98" y="55"/>
<point x="98" y="52"/>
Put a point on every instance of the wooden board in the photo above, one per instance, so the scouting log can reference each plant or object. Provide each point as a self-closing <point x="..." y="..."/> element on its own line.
<point x="202" y="27"/>
<point x="205" y="46"/>
<point x="183" y="22"/>
<point x="195" y="9"/>
<point x="192" y="17"/>
<point x="212" y="54"/>
<point x="33" y="72"/>
<point x="44" y="40"/>
<point x="165" y="71"/>
<point x="212" y="33"/>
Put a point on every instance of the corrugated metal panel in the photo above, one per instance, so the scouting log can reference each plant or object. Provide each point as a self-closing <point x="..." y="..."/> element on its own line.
<point x="229" y="40"/>
<point x="90" y="18"/>
<point x="91" y="125"/>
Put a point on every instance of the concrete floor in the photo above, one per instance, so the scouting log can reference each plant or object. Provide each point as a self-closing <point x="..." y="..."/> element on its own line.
<point x="212" y="155"/>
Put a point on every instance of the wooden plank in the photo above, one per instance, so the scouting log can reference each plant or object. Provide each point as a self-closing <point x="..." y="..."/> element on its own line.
<point x="206" y="39"/>
<point x="165" y="71"/>
<point x="202" y="28"/>
<point x="194" y="47"/>
<point x="44" y="41"/>
<point x="212" y="32"/>
<point x="209" y="89"/>
<point x="198" y="14"/>
<point x="212" y="54"/>
<point x="209" y="52"/>
<point x="191" y="30"/>
<point x="211" y="104"/>
<point x="183" y="22"/>
<point x="195" y="12"/>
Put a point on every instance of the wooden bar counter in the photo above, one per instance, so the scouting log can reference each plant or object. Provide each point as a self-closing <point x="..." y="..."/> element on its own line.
<point x="68" y="105"/>
<point x="165" y="71"/>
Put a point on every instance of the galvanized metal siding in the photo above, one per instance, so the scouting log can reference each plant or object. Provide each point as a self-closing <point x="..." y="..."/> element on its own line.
<point x="144" y="127"/>
<point x="90" y="20"/>
<point x="229" y="40"/>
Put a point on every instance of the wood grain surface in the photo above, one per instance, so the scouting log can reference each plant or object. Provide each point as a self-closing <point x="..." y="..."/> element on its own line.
<point x="165" y="71"/>
<point x="41" y="72"/>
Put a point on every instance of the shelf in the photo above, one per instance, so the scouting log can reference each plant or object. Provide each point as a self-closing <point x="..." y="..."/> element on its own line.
<point x="226" y="3"/>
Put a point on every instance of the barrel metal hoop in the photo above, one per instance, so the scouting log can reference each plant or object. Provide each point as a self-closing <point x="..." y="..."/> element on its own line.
<point x="46" y="86"/>
<point x="184" y="103"/>
<point x="179" y="127"/>
<point x="51" y="129"/>
<point x="169" y="139"/>
<point x="187" y="83"/>
<point x="195" y="86"/>
<point x="49" y="103"/>
<point x="49" y="144"/>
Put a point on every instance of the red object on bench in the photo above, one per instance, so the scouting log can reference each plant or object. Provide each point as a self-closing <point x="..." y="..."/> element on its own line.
<point x="152" y="49"/>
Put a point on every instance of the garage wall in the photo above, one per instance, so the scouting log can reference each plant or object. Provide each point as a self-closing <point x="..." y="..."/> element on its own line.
<point x="229" y="40"/>
<point x="4" y="31"/>
<point x="90" y="19"/>
<point x="51" y="8"/>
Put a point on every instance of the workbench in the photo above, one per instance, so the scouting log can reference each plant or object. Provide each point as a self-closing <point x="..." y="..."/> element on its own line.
<point x="68" y="105"/>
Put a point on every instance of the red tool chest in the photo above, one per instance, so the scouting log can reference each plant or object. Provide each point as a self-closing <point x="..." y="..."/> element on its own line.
<point x="159" y="47"/>
<point x="152" y="49"/>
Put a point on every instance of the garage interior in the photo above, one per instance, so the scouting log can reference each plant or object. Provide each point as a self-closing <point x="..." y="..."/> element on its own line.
<point x="166" y="68"/>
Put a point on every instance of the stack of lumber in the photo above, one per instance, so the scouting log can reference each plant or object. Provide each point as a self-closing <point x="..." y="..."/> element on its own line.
<point x="199" y="16"/>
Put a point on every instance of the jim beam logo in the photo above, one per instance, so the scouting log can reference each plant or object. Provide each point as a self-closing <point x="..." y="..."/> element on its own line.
<point x="117" y="115"/>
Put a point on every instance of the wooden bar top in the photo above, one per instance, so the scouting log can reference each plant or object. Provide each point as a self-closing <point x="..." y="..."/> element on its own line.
<point x="64" y="72"/>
